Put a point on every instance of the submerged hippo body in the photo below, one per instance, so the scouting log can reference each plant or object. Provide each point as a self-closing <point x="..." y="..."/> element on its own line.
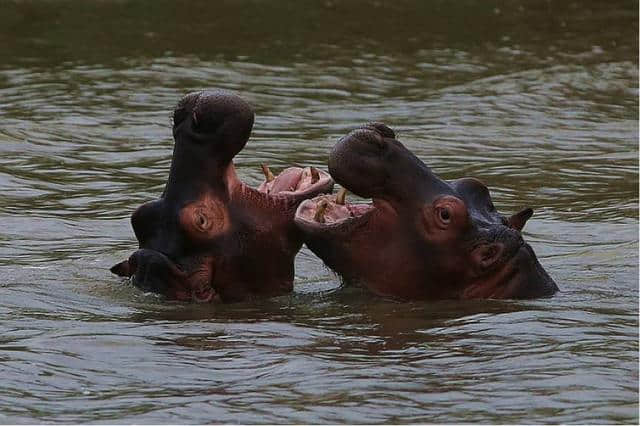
<point x="421" y="237"/>
<point x="210" y="236"/>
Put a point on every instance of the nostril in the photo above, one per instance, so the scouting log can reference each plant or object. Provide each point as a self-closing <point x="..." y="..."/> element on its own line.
<point x="383" y="129"/>
<point x="375" y="139"/>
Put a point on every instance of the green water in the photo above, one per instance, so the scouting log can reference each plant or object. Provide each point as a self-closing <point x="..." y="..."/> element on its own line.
<point x="539" y="99"/>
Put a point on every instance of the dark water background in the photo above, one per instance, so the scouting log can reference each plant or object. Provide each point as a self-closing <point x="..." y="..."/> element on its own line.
<point x="539" y="99"/>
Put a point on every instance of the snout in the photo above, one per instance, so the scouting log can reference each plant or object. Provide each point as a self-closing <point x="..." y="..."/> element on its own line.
<point x="366" y="140"/>
<point x="530" y="279"/>
<point x="365" y="162"/>
<point x="216" y="119"/>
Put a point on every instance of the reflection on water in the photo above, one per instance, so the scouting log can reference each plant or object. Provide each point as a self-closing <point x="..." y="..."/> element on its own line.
<point x="540" y="101"/>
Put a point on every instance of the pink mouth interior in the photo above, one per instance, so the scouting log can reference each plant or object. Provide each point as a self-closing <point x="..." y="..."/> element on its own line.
<point x="330" y="211"/>
<point x="294" y="180"/>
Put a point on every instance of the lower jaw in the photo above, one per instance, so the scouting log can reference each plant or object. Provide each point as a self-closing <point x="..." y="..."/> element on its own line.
<point x="495" y="287"/>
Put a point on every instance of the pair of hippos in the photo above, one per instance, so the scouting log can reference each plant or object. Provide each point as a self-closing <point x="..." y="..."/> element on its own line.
<point x="210" y="237"/>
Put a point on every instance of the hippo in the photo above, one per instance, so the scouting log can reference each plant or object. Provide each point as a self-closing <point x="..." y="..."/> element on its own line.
<point x="211" y="237"/>
<point x="421" y="238"/>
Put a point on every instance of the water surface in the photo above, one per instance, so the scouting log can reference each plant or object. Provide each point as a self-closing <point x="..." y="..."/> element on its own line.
<point x="537" y="99"/>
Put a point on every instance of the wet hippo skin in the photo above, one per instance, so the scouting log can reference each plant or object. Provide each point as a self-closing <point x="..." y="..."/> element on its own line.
<point x="210" y="236"/>
<point x="421" y="237"/>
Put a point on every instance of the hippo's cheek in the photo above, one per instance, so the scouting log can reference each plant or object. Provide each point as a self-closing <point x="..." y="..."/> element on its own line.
<point x="205" y="218"/>
<point x="521" y="276"/>
<point x="197" y="285"/>
<point x="485" y="256"/>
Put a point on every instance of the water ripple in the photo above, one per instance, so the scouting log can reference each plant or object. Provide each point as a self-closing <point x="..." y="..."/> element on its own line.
<point x="545" y="114"/>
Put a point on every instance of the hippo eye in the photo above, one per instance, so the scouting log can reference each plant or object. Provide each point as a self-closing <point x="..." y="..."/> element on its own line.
<point x="201" y="222"/>
<point x="445" y="215"/>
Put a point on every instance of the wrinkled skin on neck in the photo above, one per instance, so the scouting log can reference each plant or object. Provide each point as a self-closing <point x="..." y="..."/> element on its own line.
<point x="421" y="237"/>
<point x="210" y="237"/>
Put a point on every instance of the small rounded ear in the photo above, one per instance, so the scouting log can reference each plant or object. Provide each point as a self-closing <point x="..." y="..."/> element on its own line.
<point x="518" y="220"/>
<point x="444" y="216"/>
<point x="122" y="269"/>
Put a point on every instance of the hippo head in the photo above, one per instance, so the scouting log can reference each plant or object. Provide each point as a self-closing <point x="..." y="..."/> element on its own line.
<point x="210" y="236"/>
<point x="421" y="237"/>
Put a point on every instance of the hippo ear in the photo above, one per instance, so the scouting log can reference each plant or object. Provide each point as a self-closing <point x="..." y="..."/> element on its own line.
<point x="122" y="269"/>
<point x="518" y="220"/>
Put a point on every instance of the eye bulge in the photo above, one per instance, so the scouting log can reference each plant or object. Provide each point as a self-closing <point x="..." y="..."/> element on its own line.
<point x="445" y="214"/>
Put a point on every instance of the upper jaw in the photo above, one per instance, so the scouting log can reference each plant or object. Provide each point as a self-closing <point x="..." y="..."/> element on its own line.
<point x="294" y="184"/>
<point x="298" y="181"/>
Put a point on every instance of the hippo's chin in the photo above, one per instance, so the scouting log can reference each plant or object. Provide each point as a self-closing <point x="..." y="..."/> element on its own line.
<point x="520" y="277"/>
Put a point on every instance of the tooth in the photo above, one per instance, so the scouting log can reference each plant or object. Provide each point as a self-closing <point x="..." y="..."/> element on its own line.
<point x="315" y="175"/>
<point x="322" y="207"/>
<point x="267" y="173"/>
<point x="341" y="196"/>
<point x="195" y="118"/>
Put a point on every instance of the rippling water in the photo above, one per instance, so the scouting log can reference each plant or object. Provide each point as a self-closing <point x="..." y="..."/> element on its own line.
<point x="537" y="99"/>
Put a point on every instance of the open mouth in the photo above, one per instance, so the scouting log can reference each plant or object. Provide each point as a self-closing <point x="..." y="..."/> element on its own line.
<point x="294" y="180"/>
<point x="332" y="211"/>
